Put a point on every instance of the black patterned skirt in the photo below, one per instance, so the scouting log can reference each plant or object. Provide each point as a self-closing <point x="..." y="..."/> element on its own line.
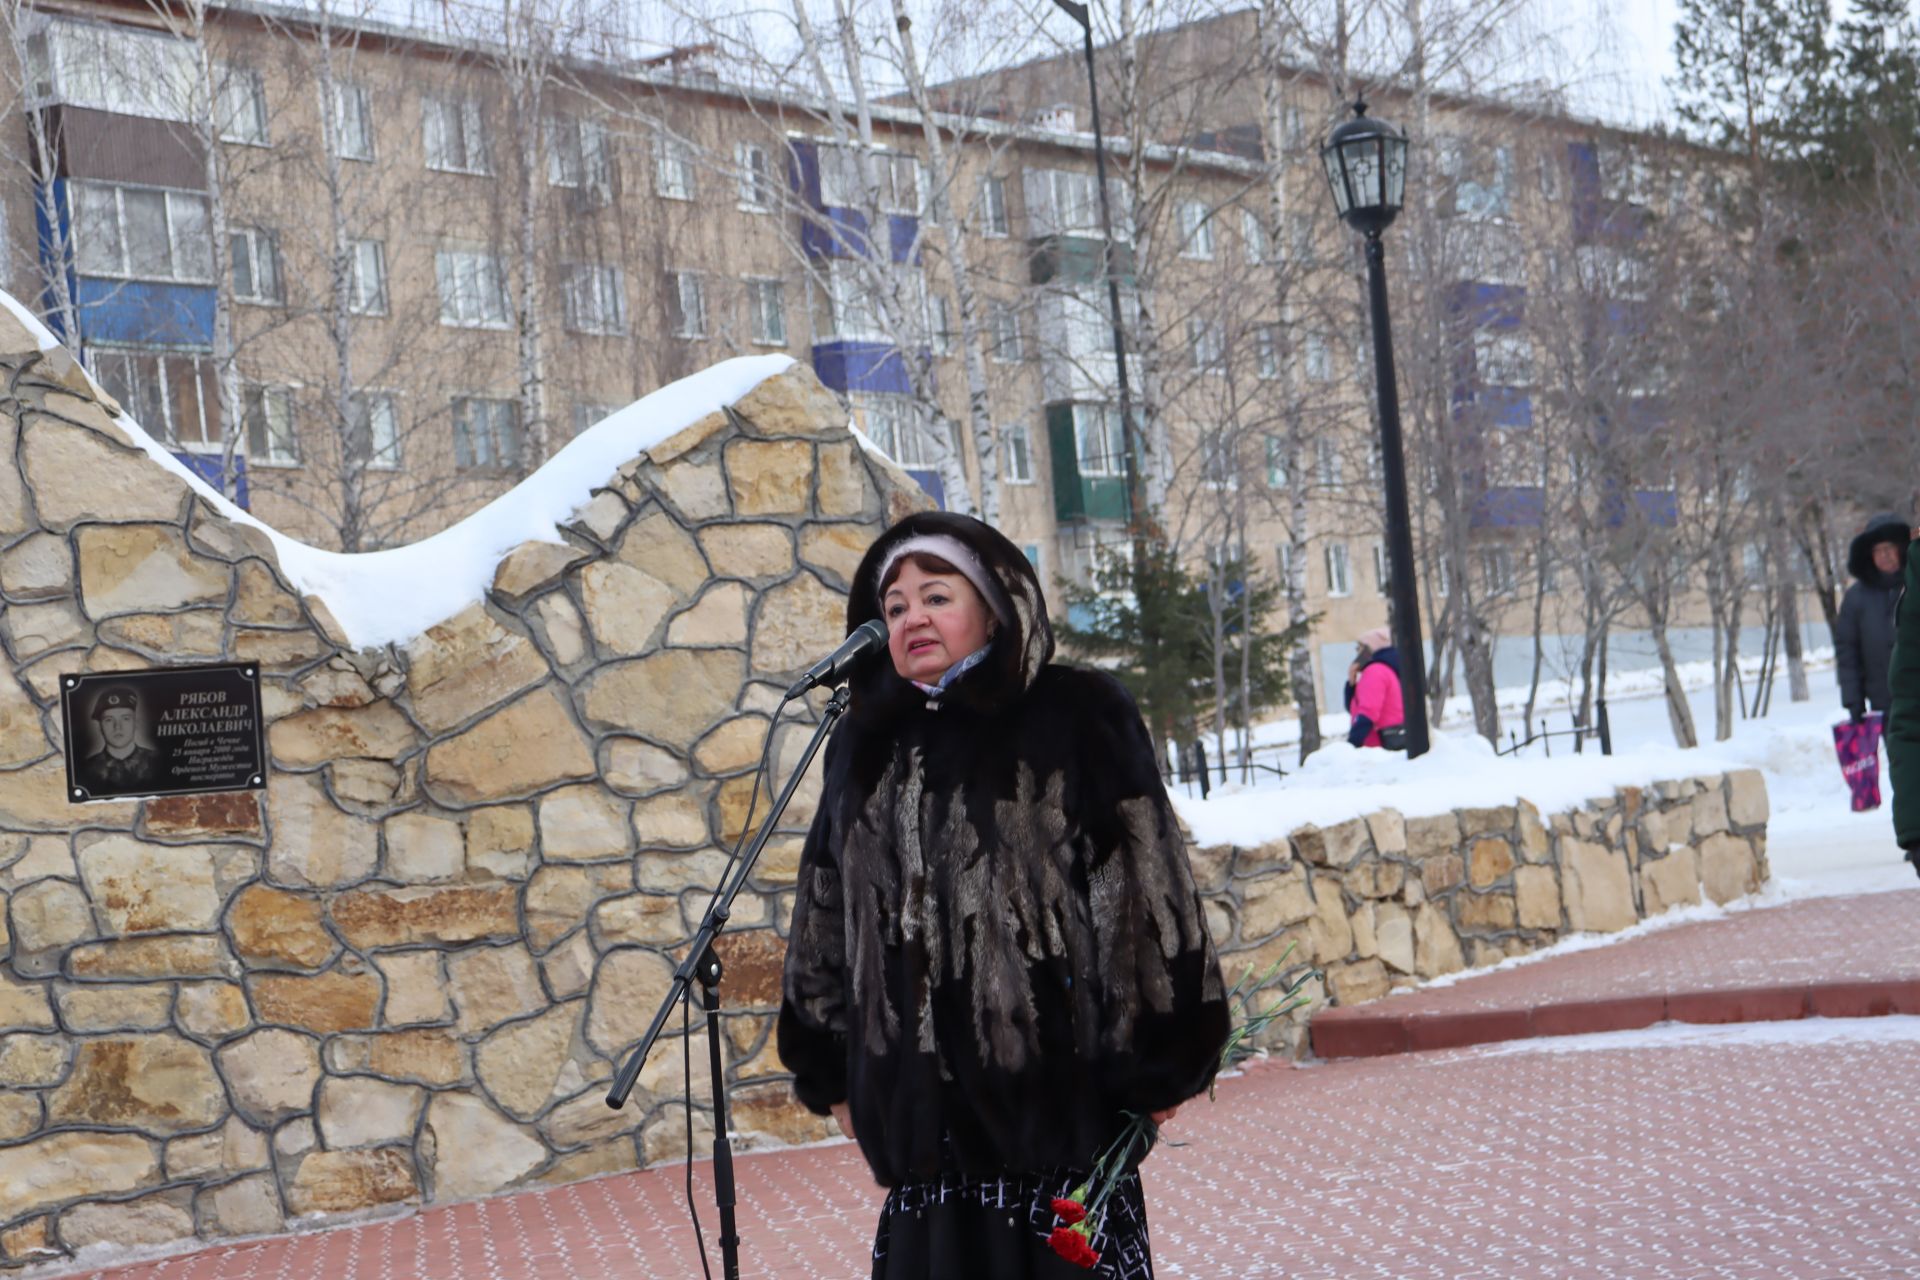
<point x="961" y="1228"/>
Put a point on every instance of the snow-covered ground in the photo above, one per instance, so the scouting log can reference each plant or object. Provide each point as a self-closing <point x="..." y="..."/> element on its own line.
<point x="1817" y="845"/>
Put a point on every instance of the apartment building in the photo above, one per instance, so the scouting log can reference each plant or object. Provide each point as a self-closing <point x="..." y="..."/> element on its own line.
<point x="439" y="266"/>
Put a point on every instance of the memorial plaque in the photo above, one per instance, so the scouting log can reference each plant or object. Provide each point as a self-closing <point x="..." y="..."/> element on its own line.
<point x="169" y="731"/>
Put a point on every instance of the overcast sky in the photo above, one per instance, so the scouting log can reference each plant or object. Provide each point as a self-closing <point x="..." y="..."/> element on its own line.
<point x="1646" y="39"/>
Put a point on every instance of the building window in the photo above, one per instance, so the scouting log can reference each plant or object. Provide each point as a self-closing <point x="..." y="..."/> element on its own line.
<point x="1503" y="359"/>
<point x="896" y="425"/>
<point x="993" y="208"/>
<point x="1266" y="352"/>
<point x="940" y="324"/>
<point x="1496" y="568"/>
<point x="367" y="289"/>
<point x="1300" y="238"/>
<point x="141" y="233"/>
<point x="767" y="305"/>
<point x="172" y="396"/>
<point x="456" y="135"/>
<point x="1283" y="561"/>
<point x="256" y="266"/>
<point x="373" y="433"/>
<point x="1219" y="468"/>
<point x="577" y="154"/>
<point x="1003" y="332"/>
<point x="486" y="434"/>
<point x="1099" y="440"/>
<point x="1319" y="358"/>
<point x="688" y="297"/>
<point x="672" y="168"/>
<point x="1382" y="572"/>
<point x="1339" y="570"/>
<point x="852" y="315"/>
<point x="1207" y="346"/>
<point x="243" y="106"/>
<point x="269" y="418"/>
<point x="1016" y="446"/>
<point x="757" y="191"/>
<point x="1253" y="234"/>
<point x="897" y="176"/>
<point x="1063" y="202"/>
<point x="1196" y="231"/>
<point x="1276" y="463"/>
<point x="352" y="121"/>
<point x="473" y="293"/>
<point x="587" y="415"/>
<point x="595" y="299"/>
<point x="113" y="67"/>
<point x="1328" y="468"/>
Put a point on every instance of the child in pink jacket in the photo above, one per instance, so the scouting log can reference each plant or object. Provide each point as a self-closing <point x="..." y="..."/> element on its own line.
<point x="1373" y="691"/>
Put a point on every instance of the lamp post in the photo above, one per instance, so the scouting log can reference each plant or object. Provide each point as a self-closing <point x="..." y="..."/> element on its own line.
<point x="1366" y="163"/>
<point x="1135" y="497"/>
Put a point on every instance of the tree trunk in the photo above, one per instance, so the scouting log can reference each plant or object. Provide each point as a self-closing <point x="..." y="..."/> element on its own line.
<point x="1788" y="609"/>
<point x="972" y="359"/>
<point x="1679" y="710"/>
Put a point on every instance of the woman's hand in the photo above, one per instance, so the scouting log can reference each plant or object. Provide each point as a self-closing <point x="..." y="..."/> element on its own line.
<point x="1162" y="1117"/>
<point x="843" y="1116"/>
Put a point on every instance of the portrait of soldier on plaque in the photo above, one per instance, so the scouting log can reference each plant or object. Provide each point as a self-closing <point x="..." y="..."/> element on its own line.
<point x="122" y="763"/>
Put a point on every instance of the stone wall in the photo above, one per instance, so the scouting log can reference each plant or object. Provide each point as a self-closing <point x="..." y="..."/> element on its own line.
<point x="403" y="973"/>
<point x="1384" y="902"/>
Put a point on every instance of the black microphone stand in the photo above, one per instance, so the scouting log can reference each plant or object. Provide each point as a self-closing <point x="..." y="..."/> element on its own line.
<point x="703" y="962"/>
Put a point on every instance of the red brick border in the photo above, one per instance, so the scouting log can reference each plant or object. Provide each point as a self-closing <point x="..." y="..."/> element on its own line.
<point x="1373" y="1030"/>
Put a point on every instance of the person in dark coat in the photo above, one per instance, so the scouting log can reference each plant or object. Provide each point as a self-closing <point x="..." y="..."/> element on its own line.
<point x="1863" y="633"/>
<point x="1903" y="716"/>
<point x="997" y="950"/>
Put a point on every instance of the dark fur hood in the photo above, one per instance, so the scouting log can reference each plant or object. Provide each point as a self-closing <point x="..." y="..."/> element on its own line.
<point x="1020" y="652"/>
<point x="1885" y="527"/>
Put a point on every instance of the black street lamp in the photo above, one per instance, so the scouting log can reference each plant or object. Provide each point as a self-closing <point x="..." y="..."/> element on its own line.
<point x="1366" y="162"/>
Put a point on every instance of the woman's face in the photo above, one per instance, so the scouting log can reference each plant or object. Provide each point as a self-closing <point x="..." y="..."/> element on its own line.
<point x="933" y="620"/>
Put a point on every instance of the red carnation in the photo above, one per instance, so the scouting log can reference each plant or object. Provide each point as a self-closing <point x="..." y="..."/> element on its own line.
<point x="1069" y="1211"/>
<point x="1073" y="1246"/>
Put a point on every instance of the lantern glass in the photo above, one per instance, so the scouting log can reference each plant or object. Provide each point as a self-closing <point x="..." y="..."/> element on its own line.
<point x="1366" y="164"/>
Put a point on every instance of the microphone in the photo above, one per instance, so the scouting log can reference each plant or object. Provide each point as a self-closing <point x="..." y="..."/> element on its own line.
<point x="869" y="638"/>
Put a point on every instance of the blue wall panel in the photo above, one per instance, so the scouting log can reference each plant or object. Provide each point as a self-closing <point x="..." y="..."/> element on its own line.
<point x="144" y="312"/>
<point x="207" y="467"/>
<point x="1510" y="507"/>
<point x="935" y="487"/>
<point x="44" y="234"/>
<point x="861" y="366"/>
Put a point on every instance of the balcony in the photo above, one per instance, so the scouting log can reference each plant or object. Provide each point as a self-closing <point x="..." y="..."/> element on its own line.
<point x="1077" y="260"/>
<point x="1079" y="496"/>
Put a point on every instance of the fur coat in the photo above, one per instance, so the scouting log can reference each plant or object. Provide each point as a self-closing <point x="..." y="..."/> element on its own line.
<point x="996" y="936"/>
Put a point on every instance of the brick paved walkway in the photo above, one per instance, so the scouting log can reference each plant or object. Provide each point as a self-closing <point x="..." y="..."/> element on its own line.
<point x="1737" y="1160"/>
<point x="1838" y="957"/>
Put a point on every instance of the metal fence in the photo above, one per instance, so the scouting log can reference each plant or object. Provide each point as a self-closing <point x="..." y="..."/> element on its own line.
<point x="1600" y="731"/>
<point x="1199" y="772"/>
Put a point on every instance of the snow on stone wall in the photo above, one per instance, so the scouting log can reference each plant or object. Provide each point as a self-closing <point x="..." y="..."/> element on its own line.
<point x="404" y="972"/>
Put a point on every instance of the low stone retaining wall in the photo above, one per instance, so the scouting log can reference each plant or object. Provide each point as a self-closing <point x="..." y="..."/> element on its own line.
<point x="1383" y="902"/>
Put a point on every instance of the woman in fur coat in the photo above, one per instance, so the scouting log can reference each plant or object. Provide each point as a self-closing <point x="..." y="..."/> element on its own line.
<point x="997" y="951"/>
